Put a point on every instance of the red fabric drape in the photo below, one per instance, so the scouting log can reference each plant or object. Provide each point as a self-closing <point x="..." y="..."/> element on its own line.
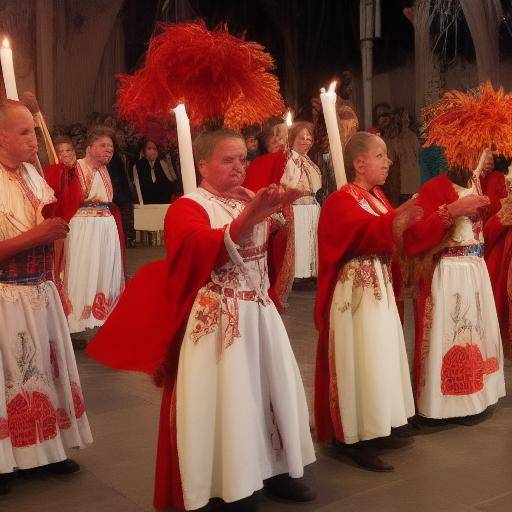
<point x="145" y="329"/>
<point x="261" y="173"/>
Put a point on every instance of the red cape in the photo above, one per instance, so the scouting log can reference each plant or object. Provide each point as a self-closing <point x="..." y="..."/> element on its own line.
<point x="498" y="254"/>
<point x="422" y="238"/>
<point x="145" y="330"/>
<point x="261" y="173"/>
<point x="345" y="230"/>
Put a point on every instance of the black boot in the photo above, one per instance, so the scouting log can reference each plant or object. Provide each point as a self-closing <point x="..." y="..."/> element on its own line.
<point x="64" y="467"/>
<point x="246" y="505"/>
<point x="288" y="488"/>
<point x="392" y="442"/>
<point x="5" y="484"/>
<point x="366" y="456"/>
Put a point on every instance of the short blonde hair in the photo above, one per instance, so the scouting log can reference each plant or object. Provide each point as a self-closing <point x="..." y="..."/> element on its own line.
<point x="357" y="145"/>
<point x="204" y="144"/>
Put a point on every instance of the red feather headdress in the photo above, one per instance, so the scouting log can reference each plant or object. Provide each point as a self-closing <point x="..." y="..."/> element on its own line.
<point x="465" y="124"/>
<point x="217" y="76"/>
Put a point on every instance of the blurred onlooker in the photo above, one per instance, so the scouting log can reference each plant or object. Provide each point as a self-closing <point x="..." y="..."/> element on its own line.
<point x="124" y="191"/>
<point x="381" y="118"/>
<point x="274" y="136"/>
<point x="65" y="151"/>
<point x="155" y="181"/>
<point x="251" y="136"/>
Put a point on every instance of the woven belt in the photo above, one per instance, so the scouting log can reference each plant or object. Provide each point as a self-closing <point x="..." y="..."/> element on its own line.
<point x="230" y="292"/>
<point x="465" y="250"/>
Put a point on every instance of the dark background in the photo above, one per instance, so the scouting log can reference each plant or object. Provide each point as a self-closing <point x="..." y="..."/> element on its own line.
<point x="311" y="40"/>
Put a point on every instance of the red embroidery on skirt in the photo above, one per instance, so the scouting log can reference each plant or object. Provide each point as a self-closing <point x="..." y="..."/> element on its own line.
<point x="4" y="429"/>
<point x="63" y="419"/>
<point x="53" y="359"/>
<point x="78" y="401"/>
<point x="334" y="400"/>
<point x="31" y="419"/>
<point x="86" y="313"/>
<point x="101" y="306"/>
<point x="463" y="370"/>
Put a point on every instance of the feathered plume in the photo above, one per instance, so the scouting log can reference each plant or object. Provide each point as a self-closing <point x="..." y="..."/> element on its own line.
<point x="216" y="75"/>
<point x="465" y="124"/>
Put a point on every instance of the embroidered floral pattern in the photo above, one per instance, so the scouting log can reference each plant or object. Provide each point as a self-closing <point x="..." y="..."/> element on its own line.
<point x="37" y="295"/>
<point x="99" y="309"/>
<point x="464" y="368"/>
<point x="4" y="429"/>
<point x="54" y="360"/>
<point x="361" y="271"/>
<point x="425" y="343"/>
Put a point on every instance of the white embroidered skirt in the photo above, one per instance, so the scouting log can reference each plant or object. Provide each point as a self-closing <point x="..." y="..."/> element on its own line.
<point x="306" y="241"/>
<point x="94" y="270"/>
<point x="242" y="414"/>
<point x="370" y="380"/>
<point x="462" y="358"/>
<point x="41" y="405"/>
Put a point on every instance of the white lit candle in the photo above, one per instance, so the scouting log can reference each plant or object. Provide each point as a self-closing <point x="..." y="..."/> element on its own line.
<point x="289" y="119"/>
<point x="188" y="170"/>
<point x="8" y="70"/>
<point x="328" y="100"/>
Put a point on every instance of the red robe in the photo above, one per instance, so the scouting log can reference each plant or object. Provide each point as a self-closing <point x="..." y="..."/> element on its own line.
<point x="145" y="330"/>
<point x="424" y="237"/>
<point x="68" y="191"/>
<point x="498" y="253"/>
<point x="261" y="173"/>
<point x="345" y="230"/>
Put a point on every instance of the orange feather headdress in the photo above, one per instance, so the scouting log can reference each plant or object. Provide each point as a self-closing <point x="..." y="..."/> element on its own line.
<point x="219" y="77"/>
<point x="465" y="124"/>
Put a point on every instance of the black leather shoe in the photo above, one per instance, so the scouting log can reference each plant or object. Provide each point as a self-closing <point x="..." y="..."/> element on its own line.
<point x="392" y="442"/>
<point x="5" y="484"/>
<point x="367" y="457"/>
<point x="64" y="467"/>
<point x="246" y="505"/>
<point x="288" y="488"/>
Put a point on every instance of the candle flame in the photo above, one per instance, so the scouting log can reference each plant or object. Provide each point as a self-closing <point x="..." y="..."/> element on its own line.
<point x="289" y="119"/>
<point x="5" y="43"/>
<point x="332" y="87"/>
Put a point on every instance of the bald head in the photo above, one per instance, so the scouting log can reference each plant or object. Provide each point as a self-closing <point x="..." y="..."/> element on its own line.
<point x="18" y="141"/>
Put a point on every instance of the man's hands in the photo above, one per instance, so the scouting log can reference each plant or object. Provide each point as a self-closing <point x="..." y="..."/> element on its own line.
<point x="49" y="230"/>
<point x="266" y="202"/>
<point x="468" y="206"/>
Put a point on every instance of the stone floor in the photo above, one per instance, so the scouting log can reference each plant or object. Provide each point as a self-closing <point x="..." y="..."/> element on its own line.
<point x="455" y="469"/>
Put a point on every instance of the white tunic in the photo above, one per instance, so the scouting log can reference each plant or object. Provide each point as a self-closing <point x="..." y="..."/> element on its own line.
<point x="462" y="356"/>
<point x="94" y="274"/>
<point x="41" y="404"/>
<point x="241" y="414"/>
<point x="302" y="173"/>
<point x="370" y="388"/>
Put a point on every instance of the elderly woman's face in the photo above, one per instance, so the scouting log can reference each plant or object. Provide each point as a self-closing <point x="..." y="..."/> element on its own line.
<point x="303" y="142"/>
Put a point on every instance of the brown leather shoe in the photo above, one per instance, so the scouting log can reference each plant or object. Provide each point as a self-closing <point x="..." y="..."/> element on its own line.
<point x="288" y="488"/>
<point x="392" y="442"/>
<point x="366" y="456"/>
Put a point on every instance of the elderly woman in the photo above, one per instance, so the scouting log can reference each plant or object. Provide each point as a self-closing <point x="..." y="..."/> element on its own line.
<point x="300" y="172"/>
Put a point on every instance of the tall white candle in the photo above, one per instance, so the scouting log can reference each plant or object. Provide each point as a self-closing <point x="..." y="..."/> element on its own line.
<point x="8" y="71"/>
<point x="289" y="119"/>
<point x="188" y="170"/>
<point x="328" y="100"/>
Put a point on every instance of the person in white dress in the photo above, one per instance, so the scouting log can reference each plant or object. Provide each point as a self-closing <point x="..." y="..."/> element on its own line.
<point x="94" y="275"/>
<point x="363" y="388"/>
<point x="234" y="406"/>
<point x="41" y="404"/>
<point x="459" y="357"/>
<point x="302" y="173"/>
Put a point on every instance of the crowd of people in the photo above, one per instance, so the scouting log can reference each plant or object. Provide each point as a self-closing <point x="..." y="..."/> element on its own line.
<point x="267" y="212"/>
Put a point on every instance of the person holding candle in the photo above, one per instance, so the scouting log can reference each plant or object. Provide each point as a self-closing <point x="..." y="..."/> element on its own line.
<point x="362" y="385"/>
<point x="234" y="416"/>
<point x="41" y="405"/>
